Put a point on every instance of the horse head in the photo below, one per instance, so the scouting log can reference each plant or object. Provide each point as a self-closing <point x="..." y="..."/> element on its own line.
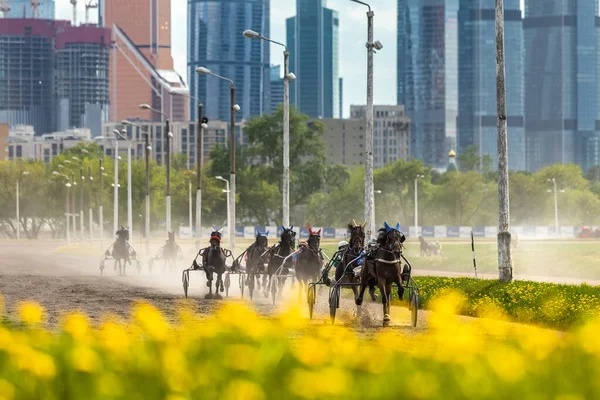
<point x="262" y="239"/>
<point x="393" y="238"/>
<point x="314" y="239"/>
<point x="171" y="236"/>
<point x="357" y="235"/>
<point x="215" y="237"/>
<point x="288" y="237"/>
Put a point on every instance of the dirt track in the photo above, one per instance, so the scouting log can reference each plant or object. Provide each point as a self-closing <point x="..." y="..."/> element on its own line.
<point x="62" y="283"/>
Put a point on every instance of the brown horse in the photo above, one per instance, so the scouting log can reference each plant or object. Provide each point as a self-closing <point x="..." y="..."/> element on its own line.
<point x="386" y="268"/>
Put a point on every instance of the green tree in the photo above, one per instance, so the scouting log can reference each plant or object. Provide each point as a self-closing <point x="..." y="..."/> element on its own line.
<point x="469" y="160"/>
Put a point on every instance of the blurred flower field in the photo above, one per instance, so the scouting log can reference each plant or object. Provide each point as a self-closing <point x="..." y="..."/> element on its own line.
<point x="236" y="354"/>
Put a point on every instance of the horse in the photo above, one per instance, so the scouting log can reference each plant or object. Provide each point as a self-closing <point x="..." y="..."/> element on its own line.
<point x="213" y="261"/>
<point x="344" y="272"/>
<point x="386" y="268"/>
<point x="120" y="251"/>
<point x="277" y="254"/>
<point x="309" y="261"/>
<point x="170" y="252"/>
<point x="255" y="260"/>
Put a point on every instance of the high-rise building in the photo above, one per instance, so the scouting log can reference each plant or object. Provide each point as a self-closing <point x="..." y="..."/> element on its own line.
<point x="428" y="74"/>
<point x="276" y="97"/>
<point x="341" y="112"/>
<point x="141" y="66"/>
<point x="215" y="41"/>
<point x="312" y="37"/>
<point x="391" y="133"/>
<point x="562" y="83"/>
<point x="477" y="112"/>
<point x="81" y="61"/>
<point x="53" y="74"/>
<point x="23" y="9"/>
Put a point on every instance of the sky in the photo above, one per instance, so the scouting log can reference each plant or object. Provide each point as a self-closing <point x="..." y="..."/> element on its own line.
<point x="352" y="39"/>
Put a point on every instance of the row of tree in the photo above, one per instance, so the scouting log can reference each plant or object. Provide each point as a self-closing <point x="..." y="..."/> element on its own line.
<point x="325" y="195"/>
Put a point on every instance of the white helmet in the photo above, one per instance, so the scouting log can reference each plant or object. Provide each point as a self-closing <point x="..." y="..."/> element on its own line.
<point x="341" y="244"/>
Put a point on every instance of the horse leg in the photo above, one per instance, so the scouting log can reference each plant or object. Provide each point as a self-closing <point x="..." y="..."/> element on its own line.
<point x="372" y="290"/>
<point x="209" y="277"/>
<point x="398" y="282"/>
<point x="385" y="297"/>
<point x="358" y="299"/>
<point x="267" y="282"/>
<point x="218" y="287"/>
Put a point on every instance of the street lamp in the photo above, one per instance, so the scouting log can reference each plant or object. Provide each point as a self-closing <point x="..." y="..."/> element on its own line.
<point x="553" y="180"/>
<point x="228" y="203"/>
<point x="147" y="159"/>
<point x="101" y="173"/>
<point x="417" y="203"/>
<point x="90" y="211"/>
<point x="68" y="185"/>
<point x="287" y="78"/>
<point x="168" y="161"/>
<point x="233" y="109"/>
<point x="81" y="178"/>
<point x="202" y="124"/>
<point x="24" y="173"/>
<point x="371" y="47"/>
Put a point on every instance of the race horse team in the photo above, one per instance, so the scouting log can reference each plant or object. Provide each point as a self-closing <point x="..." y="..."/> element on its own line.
<point x="377" y="264"/>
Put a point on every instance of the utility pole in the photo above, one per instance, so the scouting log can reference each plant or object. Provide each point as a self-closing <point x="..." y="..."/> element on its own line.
<point x="505" y="265"/>
<point x="199" y="160"/>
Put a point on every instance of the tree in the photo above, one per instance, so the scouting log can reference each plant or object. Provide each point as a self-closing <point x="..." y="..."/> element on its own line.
<point x="469" y="160"/>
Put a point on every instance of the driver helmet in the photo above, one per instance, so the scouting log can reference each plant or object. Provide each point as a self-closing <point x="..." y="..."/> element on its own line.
<point x="372" y="242"/>
<point x="341" y="244"/>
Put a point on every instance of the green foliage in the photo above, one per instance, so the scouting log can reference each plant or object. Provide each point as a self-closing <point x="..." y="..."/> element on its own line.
<point x="470" y="160"/>
<point x="548" y="304"/>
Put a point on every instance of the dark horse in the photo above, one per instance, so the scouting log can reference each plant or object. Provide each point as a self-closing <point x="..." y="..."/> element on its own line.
<point x="170" y="252"/>
<point x="386" y="268"/>
<point x="344" y="273"/>
<point x="213" y="261"/>
<point x="255" y="260"/>
<point x="121" y="251"/>
<point x="277" y="254"/>
<point x="310" y="260"/>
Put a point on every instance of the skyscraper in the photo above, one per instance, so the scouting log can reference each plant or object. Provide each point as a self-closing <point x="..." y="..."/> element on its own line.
<point x="562" y="83"/>
<point x="141" y="66"/>
<point x="477" y="113"/>
<point x="428" y="74"/>
<point x="215" y="41"/>
<point x="23" y="9"/>
<point x="312" y="37"/>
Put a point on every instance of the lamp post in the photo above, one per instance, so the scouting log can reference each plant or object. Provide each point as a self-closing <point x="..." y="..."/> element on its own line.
<point x="228" y="204"/>
<point x="233" y="109"/>
<point x="202" y="124"/>
<point x="116" y="183"/>
<point x="147" y="160"/>
<point x="100" y="211"/>
<point x="553" y="180"/>
<point x="90" y="211"/>
<point x="417" y="203"/>
<point x="169" y="136"/>
<point x="287" y="78"/>
<point x="68" y="185"/>
<point x="81" y="187"/>
<point x="24" y="173"/>
<point x="369" y="195"/>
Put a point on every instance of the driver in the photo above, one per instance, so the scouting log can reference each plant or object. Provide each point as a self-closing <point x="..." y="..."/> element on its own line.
<point x="335" y="262"/>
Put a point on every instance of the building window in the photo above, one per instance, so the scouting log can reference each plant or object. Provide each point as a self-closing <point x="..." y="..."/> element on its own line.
<point x="10" y="152"/>
<point x="19" y="151"/>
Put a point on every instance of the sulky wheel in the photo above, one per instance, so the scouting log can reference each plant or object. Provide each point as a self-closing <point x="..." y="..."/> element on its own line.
<point x="242" y="284"/>
<point x="414" y="307"/>
<point x="251" y="279"/>
<point x="334" y="302"/>
<point x="311" y="297"/>
<point x="186" y="282"/>
<point x="227" y="284"/>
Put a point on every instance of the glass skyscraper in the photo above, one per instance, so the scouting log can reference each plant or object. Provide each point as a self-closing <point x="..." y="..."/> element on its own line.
<point x="477" y="112"/>
<point x="562" y="83"/>
<point x="428" y="74"/>
<point x="312" y="38"/>
<point x="215" y="41"/>
<point x="22" y="9"/>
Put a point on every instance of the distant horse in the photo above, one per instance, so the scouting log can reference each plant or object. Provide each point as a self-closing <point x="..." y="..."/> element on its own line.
<point x="386" y="268"/>
<point x="213" y="262"/>
<point x="429" y="249"/>
<point x="170" y="252"/>
<point x="277" y="254"/>
<point x="121" y="251"/>
<point x="256" y="259"/>
<point x="310" y="260"/>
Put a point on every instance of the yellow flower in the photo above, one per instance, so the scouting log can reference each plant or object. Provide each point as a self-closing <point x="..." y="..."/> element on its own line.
<point x="243" y="389"/>
<point x="151" y="321"/>
<point x="31" y="312"/>
<point x="77" y="325"/>
<point x="84" y="359"/>
<point x="7" y="390"/>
